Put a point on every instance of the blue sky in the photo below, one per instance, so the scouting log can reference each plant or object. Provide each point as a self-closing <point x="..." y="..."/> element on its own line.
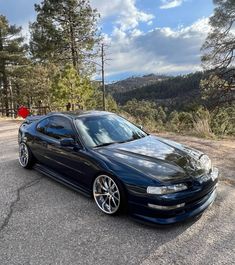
<point x="144" y="36"/>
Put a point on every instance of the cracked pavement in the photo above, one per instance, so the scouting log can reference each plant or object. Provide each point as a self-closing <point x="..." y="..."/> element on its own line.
<point x="43" y="222"/>
<point x="11" y="208"/>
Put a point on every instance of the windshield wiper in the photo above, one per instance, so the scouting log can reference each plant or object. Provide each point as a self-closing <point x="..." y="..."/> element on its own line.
<point x="106" y="144"/>
<point x="121" y="142"/>
<point x="131" y="139"/>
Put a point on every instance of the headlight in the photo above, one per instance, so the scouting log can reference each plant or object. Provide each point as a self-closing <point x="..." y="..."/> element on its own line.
<point x="206" y="163"/>
<point x="166" y="189"/>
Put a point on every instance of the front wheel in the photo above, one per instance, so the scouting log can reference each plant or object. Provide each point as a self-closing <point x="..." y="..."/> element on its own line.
<point x="108" y="194"/>
<point x="25" y="156"/>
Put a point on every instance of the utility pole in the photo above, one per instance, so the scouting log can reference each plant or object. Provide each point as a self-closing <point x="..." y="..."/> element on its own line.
<point x="102" y="71"/>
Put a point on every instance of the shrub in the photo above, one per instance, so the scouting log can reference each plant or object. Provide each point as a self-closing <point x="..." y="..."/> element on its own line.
<point x="186" y="121"/>
<point x="202" y="128"/>
<point x="173" y="122"/>
<point x="223" y="121"/>
<point x="146" y="113"/>
<point x="198" y="121"/>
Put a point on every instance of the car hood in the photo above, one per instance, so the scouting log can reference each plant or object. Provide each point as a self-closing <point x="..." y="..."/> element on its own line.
<point x="156" y="157"/>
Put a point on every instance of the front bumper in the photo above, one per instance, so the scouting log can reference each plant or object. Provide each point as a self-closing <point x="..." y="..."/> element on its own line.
<point x="195" y="202"/>
<point x="180" y="216"/>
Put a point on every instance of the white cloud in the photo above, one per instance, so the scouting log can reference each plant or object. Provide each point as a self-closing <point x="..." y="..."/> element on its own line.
<point x="119" y="36"/>
<point x="128" y="15"/>
<point x="136" y="33"/>
<point x="161" y="50"/>
<point x="166" y="4"/>
<point x="106" y="8"/>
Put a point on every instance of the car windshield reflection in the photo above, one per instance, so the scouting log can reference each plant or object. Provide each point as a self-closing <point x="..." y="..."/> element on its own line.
<point x="97" y="131"/>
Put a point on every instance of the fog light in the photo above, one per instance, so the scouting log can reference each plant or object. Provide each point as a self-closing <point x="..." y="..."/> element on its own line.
<point x="163" y="207"/>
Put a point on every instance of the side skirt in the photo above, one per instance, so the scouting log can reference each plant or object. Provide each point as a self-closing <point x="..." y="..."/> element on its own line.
<point x="61" y="179"/>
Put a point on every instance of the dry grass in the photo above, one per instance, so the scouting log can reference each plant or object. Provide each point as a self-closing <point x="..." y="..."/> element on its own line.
<point x="202" y="129"/>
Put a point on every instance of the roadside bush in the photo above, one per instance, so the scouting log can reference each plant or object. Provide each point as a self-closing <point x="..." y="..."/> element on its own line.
<point x="146" y="113"/>
<point x="202" y="123"/>
<point x="202" y="128"/>
<point x="173" y="122"/>
<point x="199" y="121"/>
<point x="223" y="121"/>
<point x="186" y="121"/>
<point x="179" y="121"/>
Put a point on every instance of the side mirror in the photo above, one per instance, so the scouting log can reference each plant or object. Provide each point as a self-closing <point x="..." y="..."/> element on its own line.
<point x="140" y="126"/>
<point x="69" y="142"/>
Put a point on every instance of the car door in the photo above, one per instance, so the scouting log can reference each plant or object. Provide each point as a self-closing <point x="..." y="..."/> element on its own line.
<point x="70" y="161"/>
<point x="39" y="143"/>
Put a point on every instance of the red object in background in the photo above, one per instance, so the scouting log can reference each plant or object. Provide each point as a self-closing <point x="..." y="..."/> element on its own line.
<point x="23" y="112"/>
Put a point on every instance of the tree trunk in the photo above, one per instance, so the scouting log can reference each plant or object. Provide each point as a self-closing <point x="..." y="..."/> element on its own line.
<point x="5" y="91"/>
<point x="72" y="43"/>
<point x="4" y="78"/>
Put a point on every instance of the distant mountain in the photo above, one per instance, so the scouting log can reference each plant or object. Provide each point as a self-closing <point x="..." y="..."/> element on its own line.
<point x="173" y="92"/>
<point x="134" y="82"/>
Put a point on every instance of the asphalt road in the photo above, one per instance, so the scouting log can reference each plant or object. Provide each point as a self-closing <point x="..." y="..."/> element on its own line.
<point x="43" y="222"/>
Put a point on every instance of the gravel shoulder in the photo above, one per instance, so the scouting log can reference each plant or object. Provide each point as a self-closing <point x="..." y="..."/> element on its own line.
<point x="43" y="222"/>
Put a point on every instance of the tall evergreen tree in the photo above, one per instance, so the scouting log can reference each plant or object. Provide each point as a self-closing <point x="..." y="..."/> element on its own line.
<point x="64" y="32"/>
<point x="219" y="49"/>
<point x="33" y="81"/>
<point x="12" y="54"/>
<point x="220" y="43"/>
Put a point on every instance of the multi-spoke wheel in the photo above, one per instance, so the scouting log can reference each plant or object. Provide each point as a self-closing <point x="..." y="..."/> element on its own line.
<point x="25" y="156"/>
<point x="107" y="194"/>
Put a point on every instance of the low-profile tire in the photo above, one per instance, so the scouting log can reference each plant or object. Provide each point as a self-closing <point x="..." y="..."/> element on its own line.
<point x="109" y="194"/>
<point x="26" y="158"/>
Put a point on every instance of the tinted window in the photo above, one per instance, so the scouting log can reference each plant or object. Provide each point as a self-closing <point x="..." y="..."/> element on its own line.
<point x="42" y="125"/>
<point x="60" y="128"/>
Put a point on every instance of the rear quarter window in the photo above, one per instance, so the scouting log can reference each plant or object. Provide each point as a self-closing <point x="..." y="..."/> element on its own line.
<point x="42" y="126"/>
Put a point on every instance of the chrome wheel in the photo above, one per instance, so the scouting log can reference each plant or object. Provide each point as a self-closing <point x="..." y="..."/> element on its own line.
<point x="106" y="194"/>
<point x="23" y="155"/>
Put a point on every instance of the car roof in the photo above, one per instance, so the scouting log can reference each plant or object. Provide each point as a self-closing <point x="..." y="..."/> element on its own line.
<point x="80" y="113"/>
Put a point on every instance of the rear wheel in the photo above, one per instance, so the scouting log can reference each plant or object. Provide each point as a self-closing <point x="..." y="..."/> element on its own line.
<point x="26" y="159"/>
<point x="108" y="194"/>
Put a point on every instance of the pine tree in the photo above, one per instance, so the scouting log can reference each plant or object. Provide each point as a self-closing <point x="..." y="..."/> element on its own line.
<point x="69" y="87"/>
<point x="12" y="54"/>
<point x="34" y="82"/>
<point x="64" y="32"/>
<point x="220" y="43"/>
<point x="219" y="49"/>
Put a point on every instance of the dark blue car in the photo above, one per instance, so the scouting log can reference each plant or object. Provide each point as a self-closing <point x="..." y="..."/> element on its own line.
<point x="122" y="167"/>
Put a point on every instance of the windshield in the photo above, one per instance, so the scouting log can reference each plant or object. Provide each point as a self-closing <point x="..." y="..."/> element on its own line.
<point x="107" y="129"/>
